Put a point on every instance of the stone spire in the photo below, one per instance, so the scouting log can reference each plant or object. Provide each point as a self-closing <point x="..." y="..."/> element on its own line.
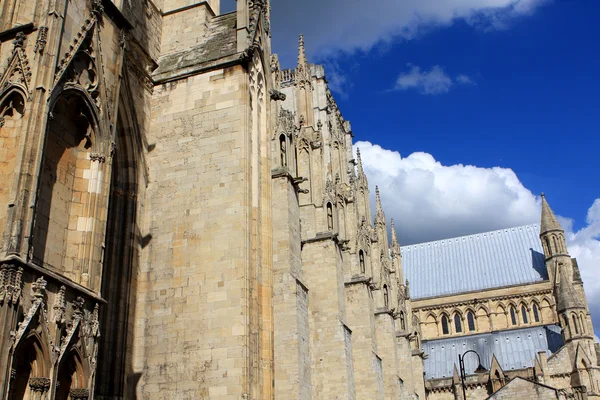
<point x="361" y="172"/>
<point x="549" y="221"/>
<point x="394" y="237"/>
<point x="302" y="61"/>
<point x="379" y="214"/>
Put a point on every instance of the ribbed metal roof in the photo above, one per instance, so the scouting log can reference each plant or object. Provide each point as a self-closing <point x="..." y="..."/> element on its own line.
<point x="487" y="260"/>
<point x="514" y="349"/>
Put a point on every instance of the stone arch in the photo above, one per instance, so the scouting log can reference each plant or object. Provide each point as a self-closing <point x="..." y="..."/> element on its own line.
<point x="283" y="150"/>
<point x="483" y="319"/>
<point x="430" y="328"/>
<point x="547" y="311"/>
<point x="330" y="216"/>
<point x="500" y="319"/>
<point x="471" y="320"/>
<point x="73" y="375"/>
<point x="32" y="364"/>
<point x="12" y="110"/>
<point x="457" y="321"/>
<point x="535" y="312"/>
<point x="582" y="322"/>
<point x="70" y="189"/>
<point x="525" y="312"/>
<point x="445" y="324"/>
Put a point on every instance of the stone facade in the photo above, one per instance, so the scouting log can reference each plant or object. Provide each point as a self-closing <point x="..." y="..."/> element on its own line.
<point x="180" y="218"/>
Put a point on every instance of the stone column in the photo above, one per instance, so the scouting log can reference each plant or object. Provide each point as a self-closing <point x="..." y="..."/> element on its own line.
<point x="10" y="295"/>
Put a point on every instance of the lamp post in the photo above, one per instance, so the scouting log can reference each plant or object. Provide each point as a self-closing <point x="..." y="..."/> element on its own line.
<point x="463" y="375"/>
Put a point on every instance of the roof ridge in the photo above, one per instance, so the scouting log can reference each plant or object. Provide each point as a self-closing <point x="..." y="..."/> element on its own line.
<point x="534" y="225"/>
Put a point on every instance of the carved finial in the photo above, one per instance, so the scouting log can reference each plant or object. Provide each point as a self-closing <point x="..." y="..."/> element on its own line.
<point x="38" y="288"/>
<point x="19" y="40"/>
<point x="78" y="305"/>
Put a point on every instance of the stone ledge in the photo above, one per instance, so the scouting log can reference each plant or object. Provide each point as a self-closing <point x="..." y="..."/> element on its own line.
<point x="55" y="276"/>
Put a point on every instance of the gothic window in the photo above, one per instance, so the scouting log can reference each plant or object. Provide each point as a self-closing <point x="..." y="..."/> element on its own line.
<point x="329" y="216"/>
<point x="513" y="315"/>
<point x="69" y="190"/>
<point x="386" y="296"/>
<point x="283" y="150"/>
<point x="445" y="329"/>
<point x="361" y="261"/>
<point x="536" y="313"/>
<point x="575" y="324"/>
<point x="471" y="321"/>
<point x="582" y="323"/>
<point x="402" y="322"/>
<point x="548" y="246"/>
<point x="554" y="243"/>
<point x="457" y="323"/>
<point x="525" y="316"/>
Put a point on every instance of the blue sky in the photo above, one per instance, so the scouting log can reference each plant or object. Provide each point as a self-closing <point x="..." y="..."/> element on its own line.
<point x="466" y="110"/>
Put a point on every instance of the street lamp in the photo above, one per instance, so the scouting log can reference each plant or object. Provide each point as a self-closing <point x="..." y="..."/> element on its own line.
<point x="463" y="376"/>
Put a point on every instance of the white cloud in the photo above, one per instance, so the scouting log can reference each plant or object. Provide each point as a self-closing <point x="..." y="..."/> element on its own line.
<point x="431" y="201"/>
<point x="464" y="79"/>
<point x="349" y="25"/>
<point x="432" y="82"/>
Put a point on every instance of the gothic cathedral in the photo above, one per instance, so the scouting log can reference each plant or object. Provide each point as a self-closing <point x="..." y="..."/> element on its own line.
<point x="180" y="218"/>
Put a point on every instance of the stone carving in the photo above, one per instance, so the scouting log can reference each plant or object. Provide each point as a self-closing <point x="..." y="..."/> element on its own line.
<point x="38" y="289"/>
<point x="42" y="39"/>
<point x="39" y="385"/>
<point x="79" y="394"/>
<point x="60" y="307"/>
<point x="11" y="283"/>
<point x="18" y="70"/>
<point x="277" y="95"/>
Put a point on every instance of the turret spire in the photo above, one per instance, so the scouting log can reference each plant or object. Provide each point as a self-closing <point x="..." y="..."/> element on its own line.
<point x="302" y="61"/>
<point x="549" y="221"/>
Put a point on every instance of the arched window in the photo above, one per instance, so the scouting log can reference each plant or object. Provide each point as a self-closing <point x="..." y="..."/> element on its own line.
<point x="536" y="313"/>
<point x="386" y="296"/>
<point x="513" y="315"/>
<point x="471" y="321"/>
<point x="555" y="246"/>
<point x="457" y="324"/>
<point x="361" y="261"/>
<point x="582" y="323"/>
<point x="445" y="329"/>
<point x="525" y="316"/>
<point x="402" y="322"/>
<point x="575" y="324"/>
<point x="282" y="151"/>
<point x="329" y="216"/>
<point x="548" y="246"/>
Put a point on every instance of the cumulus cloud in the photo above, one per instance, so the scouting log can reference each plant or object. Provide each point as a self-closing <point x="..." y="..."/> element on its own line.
<point x="348" y="25"/>
<point x="432" y="82"/>
<point x="431" y="201"/>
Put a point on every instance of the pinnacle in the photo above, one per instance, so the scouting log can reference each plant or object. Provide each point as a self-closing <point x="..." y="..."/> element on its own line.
<point x="359" y="162"/>
<point x="394" y="237"/>
<point x="549" y="221"/>
<point x="301" y="51"/>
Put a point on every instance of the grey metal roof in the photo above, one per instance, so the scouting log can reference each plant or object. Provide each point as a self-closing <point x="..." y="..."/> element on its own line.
<point x="514" y="349"/>
<point x="487" y="260"/>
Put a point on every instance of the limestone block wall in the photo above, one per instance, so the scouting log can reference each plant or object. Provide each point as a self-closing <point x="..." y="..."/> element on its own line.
<point x="193" y="305"/>
<point x="330" y="341"/>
